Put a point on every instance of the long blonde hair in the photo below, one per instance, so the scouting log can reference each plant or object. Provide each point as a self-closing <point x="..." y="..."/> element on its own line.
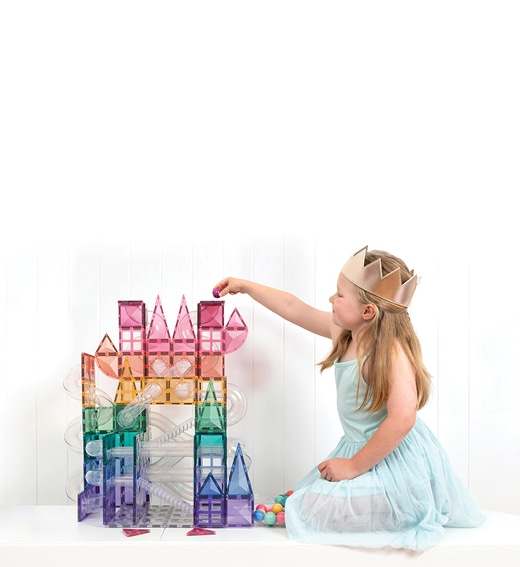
<point x="390" y="325"/>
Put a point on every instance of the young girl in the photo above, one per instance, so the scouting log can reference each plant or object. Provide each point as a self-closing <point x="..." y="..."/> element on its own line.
<point x="388" y="482"/>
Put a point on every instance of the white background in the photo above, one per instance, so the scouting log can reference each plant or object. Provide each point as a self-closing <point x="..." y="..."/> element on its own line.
<point x="155" y="147"/>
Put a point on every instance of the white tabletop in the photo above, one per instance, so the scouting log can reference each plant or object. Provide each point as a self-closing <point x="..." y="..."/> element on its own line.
<point x="45" y="535"/>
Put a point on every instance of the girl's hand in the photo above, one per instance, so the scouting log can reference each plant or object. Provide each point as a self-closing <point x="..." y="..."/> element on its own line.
<point x="335" y="470"/>
<point x="228" y="285"/>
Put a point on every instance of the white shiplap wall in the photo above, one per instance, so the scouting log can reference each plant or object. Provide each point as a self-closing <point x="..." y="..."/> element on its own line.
<point x="154" y="150"/>
<point x="66" y="297"/>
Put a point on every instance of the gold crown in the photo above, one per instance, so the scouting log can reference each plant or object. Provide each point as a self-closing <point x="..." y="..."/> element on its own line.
<point x="371" y="279"/>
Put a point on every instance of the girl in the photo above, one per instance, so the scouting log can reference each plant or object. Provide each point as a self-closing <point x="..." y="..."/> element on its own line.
<point x="388" y="482"/>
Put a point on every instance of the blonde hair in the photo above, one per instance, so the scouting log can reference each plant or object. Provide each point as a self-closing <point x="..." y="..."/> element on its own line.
<point x="390" y="325"/>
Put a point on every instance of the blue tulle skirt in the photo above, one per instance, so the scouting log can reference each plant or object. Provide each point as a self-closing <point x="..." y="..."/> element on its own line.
<point x="405" y="501"/>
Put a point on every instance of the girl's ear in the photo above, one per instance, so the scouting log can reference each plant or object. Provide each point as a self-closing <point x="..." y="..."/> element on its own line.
<point x="369" y="312"/>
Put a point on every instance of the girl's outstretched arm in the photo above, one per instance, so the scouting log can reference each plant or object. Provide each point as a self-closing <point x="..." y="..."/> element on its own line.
<point x="284" y="304"/>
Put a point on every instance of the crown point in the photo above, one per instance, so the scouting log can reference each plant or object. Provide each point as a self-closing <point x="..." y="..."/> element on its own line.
<point x="370" y="278"/>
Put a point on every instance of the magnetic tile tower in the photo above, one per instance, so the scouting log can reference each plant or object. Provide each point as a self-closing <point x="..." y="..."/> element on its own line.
<point x="137" y="480"/>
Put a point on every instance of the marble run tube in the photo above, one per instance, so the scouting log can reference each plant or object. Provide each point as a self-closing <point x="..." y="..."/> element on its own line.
<point x="95" y="477"/>
<point x="183" y="490"/>
<point x="177" y="475"/>
<point x="74" y="435"/>
<point x="72" y="382"/>
<point x="184" y="449"/>
<point x="128" y="416"/>
<point x="94" y="448"/>
<point x="74" y="485"/>
<point x="164" y="424"/>
<point x="177" y="431"/>
<point x="236" y="404"/>
<point x="164" y="494"/>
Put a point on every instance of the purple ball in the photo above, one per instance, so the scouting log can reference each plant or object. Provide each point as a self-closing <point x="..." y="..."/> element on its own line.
<point x="216" y="292"/>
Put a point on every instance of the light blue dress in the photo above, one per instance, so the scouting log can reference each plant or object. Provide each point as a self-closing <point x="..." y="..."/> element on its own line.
<point x="405" y="501"/>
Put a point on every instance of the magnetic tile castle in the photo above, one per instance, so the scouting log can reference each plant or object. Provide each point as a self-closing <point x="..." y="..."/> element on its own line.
<point x="137" y="480"/>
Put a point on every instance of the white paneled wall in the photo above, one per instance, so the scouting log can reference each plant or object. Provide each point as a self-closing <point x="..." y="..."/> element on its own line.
<point x="152" y="150"/>
<point x="60" y="300"/>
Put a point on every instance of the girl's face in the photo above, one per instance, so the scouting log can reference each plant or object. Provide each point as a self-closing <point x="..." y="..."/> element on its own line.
<point x="347" y="311"/>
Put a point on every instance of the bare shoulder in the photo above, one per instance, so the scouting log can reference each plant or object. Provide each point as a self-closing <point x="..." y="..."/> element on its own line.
<point x="399" y="356"/>
<point x="402" y="374"/>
